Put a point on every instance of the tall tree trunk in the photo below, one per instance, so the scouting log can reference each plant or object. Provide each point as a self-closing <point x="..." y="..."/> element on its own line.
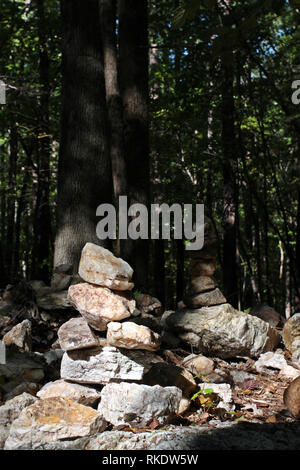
<point x="230" y="187"/>
<point x="108" y="11"/>
<point x="84" y="172"/>
<point x="42" y="218"/>
<point x="133" y="45"/>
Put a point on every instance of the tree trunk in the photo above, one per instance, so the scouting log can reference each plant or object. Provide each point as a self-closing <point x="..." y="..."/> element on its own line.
<point x="133" y="44"/>
<point x="42" y="217"/>
<point x="84" y="172"/>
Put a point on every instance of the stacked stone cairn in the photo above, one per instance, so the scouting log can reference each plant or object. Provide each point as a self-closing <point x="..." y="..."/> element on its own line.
<point x="207" y="322"/>
<point x="107" y="355"/>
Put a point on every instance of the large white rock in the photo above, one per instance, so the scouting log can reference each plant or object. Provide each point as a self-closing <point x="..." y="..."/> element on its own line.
<point x="50" y="420"/>
<point x="125" y="403"/>
<point x="99" y="305"/>
<point x="224" y="332"/>
<point x="79" y="393"/>
<point x="129" y="335"/>
<point x="99" y="266"/>
<point x="100" y="366"/>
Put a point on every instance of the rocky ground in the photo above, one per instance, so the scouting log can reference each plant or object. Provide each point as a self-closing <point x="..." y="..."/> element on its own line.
<point x="91" y="366"/>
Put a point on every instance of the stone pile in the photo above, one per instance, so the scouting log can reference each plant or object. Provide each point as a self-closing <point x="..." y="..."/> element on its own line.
<point x="209" y="324"/>
<point x="106" y="357"/>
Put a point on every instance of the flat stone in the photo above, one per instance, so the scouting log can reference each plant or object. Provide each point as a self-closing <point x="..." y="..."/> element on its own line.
<point x="49" y="300"/>
<point x="214" y="297"/>
<point x="125" y="403"/>
<point x="129" y="335"/>
<point x="100" y="366"/>
<point x="20" y="336"/>
<point x="291" y="397"/>
<point x="76" y="334"/>
<point x="202" y="284"/>
<point x="148" y="304"/>
<point x="223" y="331"/>
<point x="198" y="364"/>
<point x="202" y="268"/>
<point x="53" y="419"/>
<point x="71" y="391"/>
<point x="168" y="375"/>
<point x="99" y="305"/>
<point x="291" y="335"/>
<point x="99" y="266"/>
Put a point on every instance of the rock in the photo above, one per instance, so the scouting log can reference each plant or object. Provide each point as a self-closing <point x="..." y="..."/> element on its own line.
<point x="129" y="335"/>
<point x="99" y="305"/>
<point x="21" y="367"/>
<point x="266" y="313"/>
<point x="53" y="356"/>
<point x="168" y="375"/>
<point x="148" y="304"/>
<point x="25" y="387"/>
<point x="76" y="334"/>
<point x="270" y="361"/>
<point x="20" y="336"/>
<point x="79" y="393"/>
<point x="66" y="269"/>
<point x="291" y="397"/>
<point x="202" y="284"/>
<point x="10" y="411"/>
<point x="53" y="419"/>
<point x="214" y="297"/>
<point x="198" y="365"/>
<point x="225" y="393"/>
<point x="128" y="403"/>
<point x="147" y="320"/>
<point x="100" y="366"/>
<point x="223" y="332"/>
<point x="289" y="372"/>
<point x="291" y="335"/>
<point x="165" y="315"/>
<point x="202" y="269"/>
<point x="60" y="281"/>
<point x="184" y="406"/>
<point x="240" y="376"/>
<point x="50" y="300"/>
<point x="99" y="266"/>
<point x="170" y="340"/>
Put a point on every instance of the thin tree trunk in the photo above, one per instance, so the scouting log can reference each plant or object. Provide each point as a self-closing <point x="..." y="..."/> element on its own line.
<point x="12" y="175"/>
<point x="133" y="46"/>
<point x="84" y="172"/>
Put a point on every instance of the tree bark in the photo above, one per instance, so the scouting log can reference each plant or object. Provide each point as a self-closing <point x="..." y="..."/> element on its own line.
<point x="133" y="46"/>
<point x="42" y="216"/>
<point x="84" y="171"/>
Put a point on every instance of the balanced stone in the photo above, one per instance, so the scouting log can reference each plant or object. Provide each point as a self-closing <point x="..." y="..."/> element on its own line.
<point x="76" y="334"/>
<point x="99" y="305"/>
<point x="126" y="403"/>
<point x="53" y="419"/>
<point x="102" y="365"/>
<point x="99" y="266"/>
<point x="214" y="297"/>
<point x="79" y="393"/>
<point x="202" y="268"/>
<point x="291" y="397"/>
<point x="129" y="335"/>
<point x="202" y="284"/>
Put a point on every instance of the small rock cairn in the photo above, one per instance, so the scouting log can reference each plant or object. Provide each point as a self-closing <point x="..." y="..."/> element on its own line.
<point x="203" y="290"/>
<point x="104" y="346"/>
